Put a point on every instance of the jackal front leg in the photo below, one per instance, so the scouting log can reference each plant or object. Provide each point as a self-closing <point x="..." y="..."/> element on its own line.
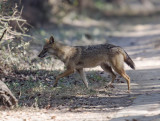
<point x="66" y="73"/>
<point x="83" y="76"/>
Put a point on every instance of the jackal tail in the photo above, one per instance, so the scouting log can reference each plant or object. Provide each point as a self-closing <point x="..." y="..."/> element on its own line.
<point x="128" y="60"/>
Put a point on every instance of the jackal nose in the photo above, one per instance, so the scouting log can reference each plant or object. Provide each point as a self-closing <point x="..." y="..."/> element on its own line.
<point x="40" y="56"/>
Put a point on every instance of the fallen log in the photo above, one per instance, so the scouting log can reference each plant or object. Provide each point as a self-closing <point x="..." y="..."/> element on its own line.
<point x="6" y="96"/>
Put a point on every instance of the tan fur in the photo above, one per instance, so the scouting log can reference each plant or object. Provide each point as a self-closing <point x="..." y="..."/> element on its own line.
<point x="76" y="58"/>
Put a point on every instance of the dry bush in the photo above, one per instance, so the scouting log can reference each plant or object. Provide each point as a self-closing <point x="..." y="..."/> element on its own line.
<point x="12" y="45"/>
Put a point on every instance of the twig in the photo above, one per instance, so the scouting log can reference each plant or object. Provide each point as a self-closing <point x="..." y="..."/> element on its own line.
<point x="3" y="34"/>
<point x="18" y="34"/>
<point x="12" y="19"/>
<point x="20" y="27"/>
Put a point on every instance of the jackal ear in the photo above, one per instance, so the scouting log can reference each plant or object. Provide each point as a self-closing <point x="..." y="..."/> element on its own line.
<point x="51" y="40"/>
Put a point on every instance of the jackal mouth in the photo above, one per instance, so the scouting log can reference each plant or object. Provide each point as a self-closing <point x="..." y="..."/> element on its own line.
<point x="42" y="56"/>
<point x="43" y="53"/>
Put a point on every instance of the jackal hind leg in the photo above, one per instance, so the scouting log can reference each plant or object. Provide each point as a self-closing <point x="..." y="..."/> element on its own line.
<point x="83" y="76"/>
<point x="108" y="69"/>
<point x="118" y="66"/>
<point x="124" y="75"/>
<point x="65" y="73"/>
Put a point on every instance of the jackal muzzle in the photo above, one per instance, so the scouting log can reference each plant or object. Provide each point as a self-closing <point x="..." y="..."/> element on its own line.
<point x="43" y="53"/>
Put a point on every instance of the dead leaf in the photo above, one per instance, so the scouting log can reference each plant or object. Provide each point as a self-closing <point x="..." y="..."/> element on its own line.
<point x="53" y="117"/>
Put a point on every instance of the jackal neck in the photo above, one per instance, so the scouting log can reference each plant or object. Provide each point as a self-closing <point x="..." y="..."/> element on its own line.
<point x="64" y="52"/>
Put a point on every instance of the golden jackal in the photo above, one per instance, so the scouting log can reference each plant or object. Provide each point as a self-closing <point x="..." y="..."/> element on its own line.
<point x="76" y="58"/>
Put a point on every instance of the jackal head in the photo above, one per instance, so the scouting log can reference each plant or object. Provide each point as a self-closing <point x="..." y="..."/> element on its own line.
<point x="47" y="48"/>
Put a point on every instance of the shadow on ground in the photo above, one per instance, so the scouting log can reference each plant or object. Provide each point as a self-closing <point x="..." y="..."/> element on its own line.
<point x="35" y="88"/>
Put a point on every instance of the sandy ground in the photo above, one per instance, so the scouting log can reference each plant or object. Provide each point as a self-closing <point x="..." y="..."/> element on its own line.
<point x="142" y="104"/>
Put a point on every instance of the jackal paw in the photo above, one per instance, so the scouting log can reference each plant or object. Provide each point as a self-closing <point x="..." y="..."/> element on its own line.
<point x="110" y="86"/>
<point x="55" y="85"/>
<point x="128" y="91"/>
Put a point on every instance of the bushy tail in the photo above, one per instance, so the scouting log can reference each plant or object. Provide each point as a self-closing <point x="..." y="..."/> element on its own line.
<point x="128" y="60"/>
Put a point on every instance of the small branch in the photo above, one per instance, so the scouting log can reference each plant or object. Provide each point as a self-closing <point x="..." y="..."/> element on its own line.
<point x="18" y="34"/>
<point x="3" y="34"/>
<point x="20" y="27"/>
<point x="12" y="19"/>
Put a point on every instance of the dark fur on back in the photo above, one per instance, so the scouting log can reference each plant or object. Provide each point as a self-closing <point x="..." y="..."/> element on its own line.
<point x="107" y="49"/>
